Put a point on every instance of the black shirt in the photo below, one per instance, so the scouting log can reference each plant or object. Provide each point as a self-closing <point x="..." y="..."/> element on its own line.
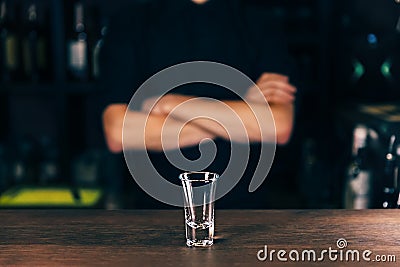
<point x="149" y="37"/>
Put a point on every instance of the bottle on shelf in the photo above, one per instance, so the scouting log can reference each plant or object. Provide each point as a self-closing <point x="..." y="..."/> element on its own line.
<point x="358" y="187"/>
<point x="9" y="43"/>
<point x="23" y="167"/>
<point x="49" y="164"/>
<point x="98" y="44"/>
<point x="397" y="178"/>
<point x="77" y="46"/>
<point x="4" y="169"/>
<point x="389" y="181"/>
<point x="35" y="46"/>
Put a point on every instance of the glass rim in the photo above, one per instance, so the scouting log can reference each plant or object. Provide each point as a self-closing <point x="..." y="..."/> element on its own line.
<point x="207" y="176"/>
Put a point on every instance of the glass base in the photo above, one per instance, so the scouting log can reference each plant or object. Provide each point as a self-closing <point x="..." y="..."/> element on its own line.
<point x="199" y="243"/>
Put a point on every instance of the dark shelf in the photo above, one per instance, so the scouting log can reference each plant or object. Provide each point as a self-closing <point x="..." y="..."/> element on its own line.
<point x="49" y="88"/>
<point x="81" y="88"/>
<point x="304" y="39"/>
<point x="67" y="111"/>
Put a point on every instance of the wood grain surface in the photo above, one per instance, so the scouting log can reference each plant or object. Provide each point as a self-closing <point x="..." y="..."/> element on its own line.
<point x="157" y="237"/>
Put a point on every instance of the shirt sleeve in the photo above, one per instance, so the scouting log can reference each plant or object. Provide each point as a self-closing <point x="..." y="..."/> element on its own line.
<point x="271" y="48"/>
<point x="121" y="63"/>
<point x="270" y="43"/>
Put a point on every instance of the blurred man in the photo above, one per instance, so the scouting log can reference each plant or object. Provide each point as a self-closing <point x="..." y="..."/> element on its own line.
<point x="160" y="34"/>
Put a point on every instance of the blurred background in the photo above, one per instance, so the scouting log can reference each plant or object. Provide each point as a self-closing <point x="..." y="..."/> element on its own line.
<point x="344" y="153"/>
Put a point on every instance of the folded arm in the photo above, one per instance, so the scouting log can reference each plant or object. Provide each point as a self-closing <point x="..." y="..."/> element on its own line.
<point x="152" y="132"/>
<point x="199" y="119"/>
<point x="226" y="118"/>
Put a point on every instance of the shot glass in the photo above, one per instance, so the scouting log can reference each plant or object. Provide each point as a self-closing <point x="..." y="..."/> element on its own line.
<point x="199" y="197"/>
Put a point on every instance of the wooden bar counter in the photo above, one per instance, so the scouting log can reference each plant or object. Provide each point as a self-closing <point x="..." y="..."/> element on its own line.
<point x="157" y="238"/>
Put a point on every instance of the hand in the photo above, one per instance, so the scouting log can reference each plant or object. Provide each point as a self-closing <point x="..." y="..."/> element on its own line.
<point x="165" y="104"/>
<point x="275" y="88"/>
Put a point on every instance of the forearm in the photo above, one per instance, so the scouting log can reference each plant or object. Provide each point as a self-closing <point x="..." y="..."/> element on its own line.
<point x="263" y="123"/>
<point x="153" y="132"/>
<point x="158" y="133"/>
<point x="226" y="119"/>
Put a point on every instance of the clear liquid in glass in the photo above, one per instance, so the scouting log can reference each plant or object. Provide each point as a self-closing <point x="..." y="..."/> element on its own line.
<point x="199" y="230"/>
